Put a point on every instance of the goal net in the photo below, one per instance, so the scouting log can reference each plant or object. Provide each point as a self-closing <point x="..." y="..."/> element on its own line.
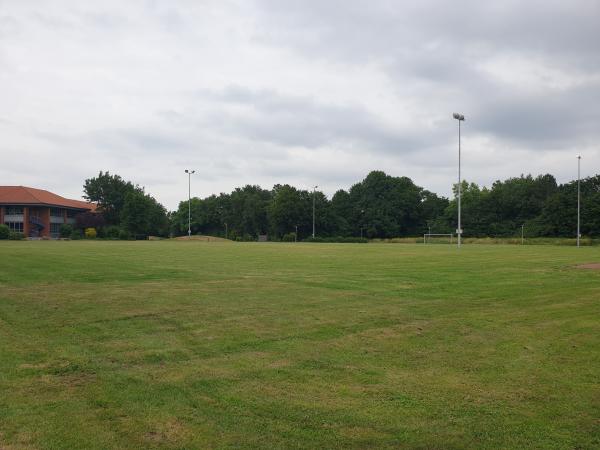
<point x="438" y="238"/>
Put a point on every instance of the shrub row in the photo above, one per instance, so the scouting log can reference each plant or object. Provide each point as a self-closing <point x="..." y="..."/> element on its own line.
<point x="5" y="233"/>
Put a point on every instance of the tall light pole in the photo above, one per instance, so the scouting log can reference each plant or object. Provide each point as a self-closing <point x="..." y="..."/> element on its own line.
<point x="578" y="200"/>
<point x="460" y="118"/>
<point x="314" y="196"/>
<point x="190" y="172"/>
<point x="362" y="213"/>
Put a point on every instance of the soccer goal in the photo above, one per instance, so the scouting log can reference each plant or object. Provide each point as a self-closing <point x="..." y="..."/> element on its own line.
<point x="438" y="238"/>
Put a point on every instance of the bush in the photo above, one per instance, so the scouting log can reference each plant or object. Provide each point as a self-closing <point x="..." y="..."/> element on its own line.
<point x="66" y="230"/>
<point x="289" y="237"/>
<point x="76" y="234"/>
<point x="4" y="232"/>
<point x="90" y="233"/>
<point x="112" y="232"/>
<point x="124" y="235"/>
<point x="16" y="236"/>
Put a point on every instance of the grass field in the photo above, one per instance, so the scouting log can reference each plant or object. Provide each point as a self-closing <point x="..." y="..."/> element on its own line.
<point x="214" y="345"/>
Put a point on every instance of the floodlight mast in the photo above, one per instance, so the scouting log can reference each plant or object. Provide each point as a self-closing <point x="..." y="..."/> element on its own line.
<point x="314" y="194"/>
<point x="189" y="172"/>
<point x="578" y="200"/>
<point x="460" y="118"/>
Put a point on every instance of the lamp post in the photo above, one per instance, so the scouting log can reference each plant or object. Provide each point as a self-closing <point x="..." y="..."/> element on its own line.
<point x="362" y="212"/>
<point x="523" y="234"/>
<point x="460" y="118"/>
<point x="189" y="172"/>
<point x="314" y="196"/>
<point x="296" y="235"/>
<point x="578" y="200"/>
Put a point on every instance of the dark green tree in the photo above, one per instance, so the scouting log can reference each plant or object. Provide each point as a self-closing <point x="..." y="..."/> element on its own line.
<point x="143" y="215"/>
<point x="109" y="192"/>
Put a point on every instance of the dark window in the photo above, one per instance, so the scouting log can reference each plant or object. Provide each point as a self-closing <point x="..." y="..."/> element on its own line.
<point x="55" y="229"/>
<point x="15" y="226"/>
<point x="72" y="213"/>
<point x="14" y="210"/>
<point x="56" y="212"/>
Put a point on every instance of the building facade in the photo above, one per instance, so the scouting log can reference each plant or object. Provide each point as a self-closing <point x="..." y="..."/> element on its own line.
<point x="36" y="212"/>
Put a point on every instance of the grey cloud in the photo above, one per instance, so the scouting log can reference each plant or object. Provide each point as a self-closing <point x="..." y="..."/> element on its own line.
<point x="350" y="29"/>
<point x="293" y="121"/>
<point x="301" y="91"/>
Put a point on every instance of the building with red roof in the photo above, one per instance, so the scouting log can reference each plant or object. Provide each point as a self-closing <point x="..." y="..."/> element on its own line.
<point x="36" y="212"/>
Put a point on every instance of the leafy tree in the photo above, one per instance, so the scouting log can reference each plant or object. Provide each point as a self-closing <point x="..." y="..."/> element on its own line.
<point x="109" y="192"/>
<point x="342" y="212"/>
<point x="142" y="214"/>
<point x="288" y="209"/>
<point x="387" y="206"/>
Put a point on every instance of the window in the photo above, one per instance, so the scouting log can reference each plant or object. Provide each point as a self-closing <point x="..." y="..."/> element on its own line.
<point x="55" y="229"/>
<point x="15" y="226"/>
<point x="56" y="212"/>
<point x="14" y="210"/>
<point x="71" y="213"/>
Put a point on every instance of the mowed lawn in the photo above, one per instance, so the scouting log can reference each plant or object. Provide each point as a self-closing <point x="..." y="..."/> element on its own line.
<point x="245" y="345"/>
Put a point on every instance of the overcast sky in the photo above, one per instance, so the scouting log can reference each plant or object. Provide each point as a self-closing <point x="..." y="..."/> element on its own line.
<point x="301" y="92"/>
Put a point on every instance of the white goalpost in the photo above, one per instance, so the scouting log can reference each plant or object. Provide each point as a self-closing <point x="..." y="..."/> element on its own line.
<point x="436" y="238"/>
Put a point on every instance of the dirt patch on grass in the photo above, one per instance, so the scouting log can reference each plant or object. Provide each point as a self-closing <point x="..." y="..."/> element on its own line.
<point x="170" y="431"/>
<point x="590" y="266"/>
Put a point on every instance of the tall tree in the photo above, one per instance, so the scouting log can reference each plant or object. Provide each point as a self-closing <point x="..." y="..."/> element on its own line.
<point x="109" y="192"/>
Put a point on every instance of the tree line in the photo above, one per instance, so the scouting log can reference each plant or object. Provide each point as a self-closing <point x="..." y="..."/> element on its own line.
<point x="380" y="206"/>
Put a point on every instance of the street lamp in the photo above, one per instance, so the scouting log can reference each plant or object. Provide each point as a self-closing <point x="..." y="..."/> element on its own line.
<point x="190" y="172"/>
<point x="578" y="201"/>
<point x="460" y="118"/>
<point x="314" y="196"/>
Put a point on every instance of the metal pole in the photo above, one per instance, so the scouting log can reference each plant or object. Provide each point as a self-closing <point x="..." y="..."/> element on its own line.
<point x="578" y="201"/>
<point x="189" y="205"/>
<point x="226" y="231"/>
<point x="296" y="235"/>
<point x="314" y="195"/>
<point x="523" y="234"/>
<point x="189" y="172"/>
<point x="459" y="189"/>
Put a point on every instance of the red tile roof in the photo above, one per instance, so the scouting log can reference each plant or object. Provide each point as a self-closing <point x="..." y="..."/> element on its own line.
<point x="22" y="195"/>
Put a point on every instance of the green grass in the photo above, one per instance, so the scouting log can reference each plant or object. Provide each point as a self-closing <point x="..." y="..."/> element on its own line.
<point x="222" y="345"/>
<point x="572" y="242"/>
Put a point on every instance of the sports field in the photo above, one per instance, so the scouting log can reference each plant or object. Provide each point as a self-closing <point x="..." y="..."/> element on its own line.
<point x="173" y="344"/>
